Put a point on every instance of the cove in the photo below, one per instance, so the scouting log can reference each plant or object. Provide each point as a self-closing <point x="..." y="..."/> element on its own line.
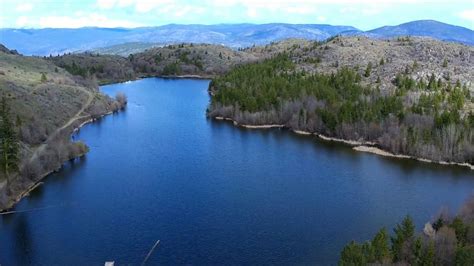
<point x="213" y="193"/>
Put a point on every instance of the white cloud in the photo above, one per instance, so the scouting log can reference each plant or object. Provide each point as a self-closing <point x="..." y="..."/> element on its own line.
<point x="467" y="14"/>
<point x="91" y="20"/>
<point x="269" y="3"/>
<point x="25" y="7"/>
<point x="125" y="3"/>
<point x="147" y="6"/>
<point x="252" y="12"/>
<point x="321" y="18"/>
<point x="22" y="21"/>
<point x="106" y="4"/>
<point x="141" y="6"/>
<point x="371" y="11"/>
<point x="302" y="10"/>
<point x="180" y="11"/>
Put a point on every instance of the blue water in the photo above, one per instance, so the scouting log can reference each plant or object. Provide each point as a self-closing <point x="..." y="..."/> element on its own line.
<point x="213" y="193"/>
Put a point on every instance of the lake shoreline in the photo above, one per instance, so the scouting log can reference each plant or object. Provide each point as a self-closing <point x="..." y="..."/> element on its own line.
<point x="361" y="146"/>
<point x="190" y="76"/>
<point x="13" y="200"/>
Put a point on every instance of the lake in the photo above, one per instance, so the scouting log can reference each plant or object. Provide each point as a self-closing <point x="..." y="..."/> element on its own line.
<point x="213" y="193"/>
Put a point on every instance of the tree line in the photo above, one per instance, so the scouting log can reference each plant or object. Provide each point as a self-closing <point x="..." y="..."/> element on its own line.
<point x="445" y="241"/>
<point x="432" y="126"/>
<point x="9" y="141"/>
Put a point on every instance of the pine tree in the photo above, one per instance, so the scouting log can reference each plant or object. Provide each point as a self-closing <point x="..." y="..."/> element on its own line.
<point x="352" y="254"/>
<point x="380" y="245"/>
<point x="43" y="77"/>
<point x="464" y="255"/>
<point x="429" y="255"/>
<point x="9" y="147"/>
<point x="403" y="232"/>
<point x="418" y="251"/>
<point x="438" y="223"/>
<point x="368" y="70"/>
<point x="445" y="63"/>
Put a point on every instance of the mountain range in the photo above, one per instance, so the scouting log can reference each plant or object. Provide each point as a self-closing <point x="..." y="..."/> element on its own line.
<point x="58" y="41"/>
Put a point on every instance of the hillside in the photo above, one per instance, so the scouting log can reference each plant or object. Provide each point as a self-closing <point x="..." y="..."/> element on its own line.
<point x="104" y="68"/>
<point x="46" y="104"/>
<point x="409" y="96"/>
<point x="205" y="60"/>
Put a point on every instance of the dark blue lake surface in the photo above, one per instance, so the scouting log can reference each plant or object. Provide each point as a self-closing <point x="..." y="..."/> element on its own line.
<point x="214" y="193"/>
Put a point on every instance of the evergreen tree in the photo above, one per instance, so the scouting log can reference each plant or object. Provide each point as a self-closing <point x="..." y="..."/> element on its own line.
<point x="43" y="77"/>
<point x="403" y="232"/>
<point x="368" y="70"/>
<point x="460" y="229"/>
<point x="380" y="246"/>
<point x="352" y="254"/>
<point x="9" y="146"/>
<point x="417" y="251"/>
<point x="438" y="223"/>
<point x="465" y="255"/>
<point x="428" y="257"/>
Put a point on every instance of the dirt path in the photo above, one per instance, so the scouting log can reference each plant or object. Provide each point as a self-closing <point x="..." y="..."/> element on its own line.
<point x="73" y="119"/>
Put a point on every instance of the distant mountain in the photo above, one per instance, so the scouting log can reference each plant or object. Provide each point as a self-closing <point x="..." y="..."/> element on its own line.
<point x="54" y="41"/>
<point x="59" y="41"/>
<point x="125" y="49"/>
<point x="429" y="28"/>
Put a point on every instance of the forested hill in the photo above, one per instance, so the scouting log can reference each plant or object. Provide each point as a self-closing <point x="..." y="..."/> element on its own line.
<point x="40" y="105"/>
<point x="409" y="96"/>
<point x="204" y="60"/>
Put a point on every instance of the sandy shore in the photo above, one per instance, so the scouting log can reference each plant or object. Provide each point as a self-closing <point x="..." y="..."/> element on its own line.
<point x="381" y="152"/>
<point x="223" y="118"/>
<point x="301" y="132"/>
<point x="185" y="76"/>
<point x="348" y="142"/>
<point x="363" y="146"/>
<point x="261" y="126"/>
<point x="248" y="126"/>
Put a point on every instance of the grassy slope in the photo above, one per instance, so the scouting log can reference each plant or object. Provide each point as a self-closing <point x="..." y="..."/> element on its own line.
<point x="49" y="110"/>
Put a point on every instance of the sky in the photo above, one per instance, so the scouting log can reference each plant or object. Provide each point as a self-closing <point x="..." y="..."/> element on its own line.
<point x="362" y="14"/>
